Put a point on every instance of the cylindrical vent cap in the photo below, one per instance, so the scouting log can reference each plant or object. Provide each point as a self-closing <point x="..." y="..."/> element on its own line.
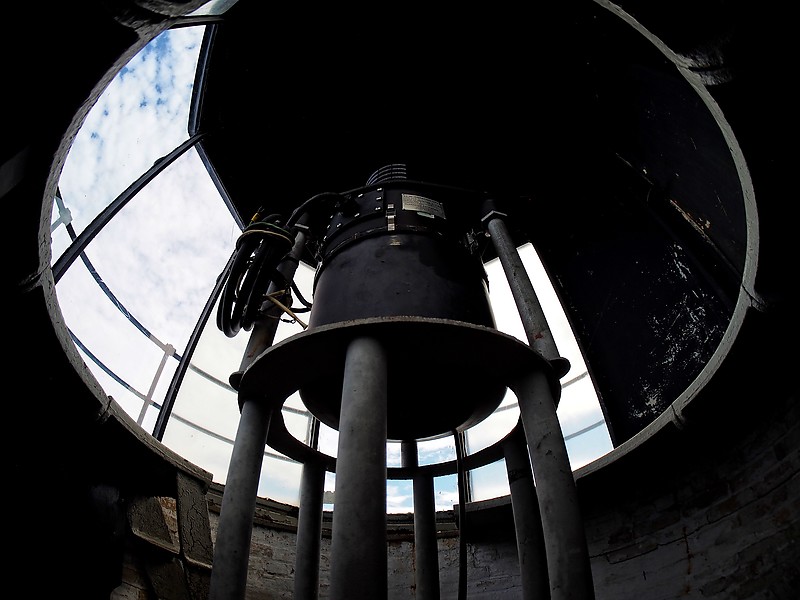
<point x="386" y="173"/>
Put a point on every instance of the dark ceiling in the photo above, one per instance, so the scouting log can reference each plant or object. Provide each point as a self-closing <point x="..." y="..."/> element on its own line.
<point x="590" y="139"/>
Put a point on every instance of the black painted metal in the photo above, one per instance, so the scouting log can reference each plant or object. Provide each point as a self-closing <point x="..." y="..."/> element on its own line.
<point x="400" y="250"/>
<point x="602" y="155"/>
<point x="455" y="377"/>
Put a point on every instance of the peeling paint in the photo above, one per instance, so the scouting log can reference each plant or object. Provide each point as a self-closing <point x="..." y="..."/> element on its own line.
<point x="699" y="225"/>
<point x="684" y="333"/>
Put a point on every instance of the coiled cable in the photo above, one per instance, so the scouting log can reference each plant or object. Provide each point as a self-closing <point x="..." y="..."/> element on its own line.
<point x="259" y="249"/>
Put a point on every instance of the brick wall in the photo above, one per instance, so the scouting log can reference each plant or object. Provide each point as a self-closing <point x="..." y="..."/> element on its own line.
<point x="697" y="516"/>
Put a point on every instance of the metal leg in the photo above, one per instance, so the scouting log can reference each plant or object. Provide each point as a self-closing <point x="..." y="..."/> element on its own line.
<point x="564" y="535"/>
<point x="235" y="527"/>
<point x="358" y="546"/>
<point x="530" y="310"/>
<point x="426" y="549"/>
<point x="527" y="521"/>
<point x="309" y="530"/>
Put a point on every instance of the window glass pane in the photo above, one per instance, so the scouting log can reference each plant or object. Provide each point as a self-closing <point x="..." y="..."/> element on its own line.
<point x="209" y="410"/>
<point x="329" y="491"/>
<point x="163" y="252"/>
<point x="106" y="333"/>
<point x="140" y="117"/>
<point x="445" y="490"/>
<point x="154" y="267"/>
<point x="393" y="454"/>
<point x="280" y="480"/>
<point x="297" y="425"/>
<point x="583" y="424"/>
<point x="399" y="496"/>
<point x="436" y="451"/>
<point x="209" y="452"/>
<point x="129" y="399"/>
<point x="303" y="279"/>
<point x="207" y="405"/>
<point x="490" y="481"/>
<point x="328" y="440"/>
<point x="495" y="427"/>
<point x="296" y="402"/>
<point x="205" y="413"/>
<point x="216" y="353"/>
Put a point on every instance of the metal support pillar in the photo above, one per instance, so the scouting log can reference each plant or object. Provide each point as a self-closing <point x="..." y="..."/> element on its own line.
<point x="235" y="527"/>
<point x="568" y="563"/>
<point x="426" y="549"/>
<point x="534" y="322"/>
<point x="309" y="531"/>
<point x="358" y="547"/>
<point x="562" y="525"/>
<point x="527" y="521"/>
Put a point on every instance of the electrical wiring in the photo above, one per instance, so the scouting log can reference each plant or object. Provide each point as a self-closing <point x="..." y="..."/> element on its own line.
<point x="259" y="250"/>
<point x="306" y="304"/>
<point x="272" y="298"/>
<point x="315" y="201"/>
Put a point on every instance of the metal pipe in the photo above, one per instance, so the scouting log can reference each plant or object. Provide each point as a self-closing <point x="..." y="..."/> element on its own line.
<point x="527" y="521"/>
<point x="534" y="322"/>
<point x="460" y="442"/>
<point x="235" y="527"/>
<point x="568" y="564"/>
<point x="359" y="560"/>
<point x="426" y="549"/>
<point x="309" y="531"/>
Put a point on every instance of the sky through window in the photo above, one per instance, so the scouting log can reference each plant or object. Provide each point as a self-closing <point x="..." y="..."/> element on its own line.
<point x="133" y="300"/>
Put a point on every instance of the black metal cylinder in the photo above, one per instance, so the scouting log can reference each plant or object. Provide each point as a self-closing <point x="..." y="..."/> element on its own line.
<point x="400" y="249"/>
<point x="405" y="249"/>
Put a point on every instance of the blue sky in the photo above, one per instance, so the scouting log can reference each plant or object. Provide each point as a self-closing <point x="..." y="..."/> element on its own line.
<point x="162" y="255"/>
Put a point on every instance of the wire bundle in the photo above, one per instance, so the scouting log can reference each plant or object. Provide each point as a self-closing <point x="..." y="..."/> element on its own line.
<point x="259" y="249"/>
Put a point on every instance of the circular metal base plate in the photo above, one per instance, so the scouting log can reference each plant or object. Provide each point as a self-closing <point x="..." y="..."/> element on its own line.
<point x="442" y="375"/>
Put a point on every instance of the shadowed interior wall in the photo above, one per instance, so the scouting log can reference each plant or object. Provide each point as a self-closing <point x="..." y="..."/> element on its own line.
<point x="710" y="516"/>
